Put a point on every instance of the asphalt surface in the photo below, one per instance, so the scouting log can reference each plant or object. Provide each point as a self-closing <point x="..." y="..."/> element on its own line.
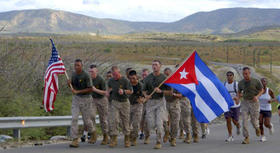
<point x="214" y="143"/>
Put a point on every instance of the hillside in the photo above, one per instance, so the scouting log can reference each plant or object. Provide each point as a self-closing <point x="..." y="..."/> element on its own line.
<point x="222" y="21"/>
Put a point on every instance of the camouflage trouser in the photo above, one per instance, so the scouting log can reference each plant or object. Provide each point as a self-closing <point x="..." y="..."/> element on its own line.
<point x="101" y="105"/>
<point x="195" y="125"/>
<point x="155" y="115"/>
<point x="81" y="104"/>
<point x="203" y="128"/>
<point x="186" y="115"/>
<point x="143" y="124"/>
<point x="135" y="118"/>
<point x="251" y="108"/>
<point x="119" y="111"/>
<point x="174" y="110"/>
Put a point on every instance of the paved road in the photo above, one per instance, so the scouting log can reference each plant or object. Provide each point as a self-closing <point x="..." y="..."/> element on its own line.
<point x="214" y="143"/>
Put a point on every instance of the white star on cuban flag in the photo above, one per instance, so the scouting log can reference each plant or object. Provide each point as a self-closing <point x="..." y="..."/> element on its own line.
<point x="184" y="74"/>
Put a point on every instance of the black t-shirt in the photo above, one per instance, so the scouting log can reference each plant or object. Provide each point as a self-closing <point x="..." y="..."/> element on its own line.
<point x="137" y="93"/>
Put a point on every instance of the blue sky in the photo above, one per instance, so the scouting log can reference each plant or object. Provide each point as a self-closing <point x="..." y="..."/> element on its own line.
<point x="136" y="10"/>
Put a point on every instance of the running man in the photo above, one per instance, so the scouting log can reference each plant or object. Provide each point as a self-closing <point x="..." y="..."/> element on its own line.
<point x="266" y="99"/>
<point x="250" y="89"/>
<point x="233" y="114"/>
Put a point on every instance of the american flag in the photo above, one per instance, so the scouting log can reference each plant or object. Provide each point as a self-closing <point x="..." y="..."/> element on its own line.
<point x="55" y="67"/>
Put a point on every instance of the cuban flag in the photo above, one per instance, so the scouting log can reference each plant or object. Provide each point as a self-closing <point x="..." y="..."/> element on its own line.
<point x="208" y="96"/>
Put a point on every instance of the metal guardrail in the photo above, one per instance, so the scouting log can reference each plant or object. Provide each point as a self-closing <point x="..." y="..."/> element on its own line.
<point x="17" y="123"/>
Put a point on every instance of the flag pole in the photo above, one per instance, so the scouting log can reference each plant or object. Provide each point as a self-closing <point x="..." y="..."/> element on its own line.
<point x="171" y="73"/>
<point x="67" y="77"/>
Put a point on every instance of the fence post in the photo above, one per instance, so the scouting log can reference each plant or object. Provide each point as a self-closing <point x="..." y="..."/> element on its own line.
<point x="16" y="134"/>
<point x="68" y="131"/>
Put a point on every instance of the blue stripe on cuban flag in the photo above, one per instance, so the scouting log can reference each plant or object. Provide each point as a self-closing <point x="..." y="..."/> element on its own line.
<point x="209" y="98"/>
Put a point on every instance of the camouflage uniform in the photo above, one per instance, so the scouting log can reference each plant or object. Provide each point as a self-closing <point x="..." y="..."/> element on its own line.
<point x="119" y="106"/>
<point x="204" y="127"/>
<point x="156" y="112"/>
<point x="174" y="110"/>
<point x="186" y="115"/>
<point x="81" y="103"/>
<point x="100" y="104"/>
<point x="253" y="109"/>
<point x="195" y="125"/>
<point x="250" y="89"/>
<point x="136" y="109"/>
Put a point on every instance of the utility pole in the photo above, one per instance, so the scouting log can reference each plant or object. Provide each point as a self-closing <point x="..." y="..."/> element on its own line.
<point x="271" y="61"/>
<point x="254" y="57"/>
<point x="244" y="55"/>
<point x="227" y="53"/>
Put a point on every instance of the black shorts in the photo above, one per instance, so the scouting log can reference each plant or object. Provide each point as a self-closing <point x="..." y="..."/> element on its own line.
<point x="279" y="107"/>
<point x="266" y="113"/>
<point x="233" y="113"/>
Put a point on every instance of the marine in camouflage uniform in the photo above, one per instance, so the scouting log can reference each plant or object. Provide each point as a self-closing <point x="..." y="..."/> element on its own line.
<point x="119" y="109"/>
<point x="250" y="89"/>
<point x="81" y="101"/>
<point x="100" y="102"/>
<point x="156" y="112"/>
<point x="136" y="100"/>
<point x="173" y="108"/>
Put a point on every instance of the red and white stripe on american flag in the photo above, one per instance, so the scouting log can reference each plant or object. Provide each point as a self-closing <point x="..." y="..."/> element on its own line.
<point x="51" y="83"/>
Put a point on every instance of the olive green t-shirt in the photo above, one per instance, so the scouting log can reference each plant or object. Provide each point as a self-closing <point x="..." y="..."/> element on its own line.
<point x="171" y="98"/>
<point x="122" y="83"/>
<point x="249" y="88"/>
<point x="98" y="83"/>
<point x="81" y="81"/>
<point x="151" y="82"/>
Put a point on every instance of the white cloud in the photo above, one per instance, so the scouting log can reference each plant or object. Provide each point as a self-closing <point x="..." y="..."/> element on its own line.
<point x="142" y="10"/>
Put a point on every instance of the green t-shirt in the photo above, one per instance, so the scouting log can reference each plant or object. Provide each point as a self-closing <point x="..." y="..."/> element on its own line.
<point x="122" y="83"/>
<point x="170" y="98"/>
<point x="249" y="88"/>
<point x="98" y="83"/>
<point x="137" y="93"/>
<point x="81" y="81"/>
<point x="151" y="82"/>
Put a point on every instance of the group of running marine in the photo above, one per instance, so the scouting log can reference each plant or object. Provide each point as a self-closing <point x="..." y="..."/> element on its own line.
<point x="136" y="104"/>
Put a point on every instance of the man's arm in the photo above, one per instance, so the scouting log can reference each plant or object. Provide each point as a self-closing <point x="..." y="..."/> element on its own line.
<point x="256" y="98"/>
<point x="87" y="90"/>
<point x="101" y="91"/>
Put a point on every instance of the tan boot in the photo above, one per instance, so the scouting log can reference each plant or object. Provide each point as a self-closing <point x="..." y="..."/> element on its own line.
<point x="166" y="136"/>
<point x="246" y="140"/>
<point x="133" y="141"/>
<point x="181" y="134"/>
<point x="126" y="141"/>
<point x="113" y="141"/>
<point x="258" y="132"/>
<point x="188" y="138"/>
<point x="173" y="142"/>
<point x="93" y="138"/>
<point x="195" y="138"/>
<point x="157" y="146"/>
<point x="147" y="139"/>
<point x="105" y="139"/>
<point x="74" y="143"/>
